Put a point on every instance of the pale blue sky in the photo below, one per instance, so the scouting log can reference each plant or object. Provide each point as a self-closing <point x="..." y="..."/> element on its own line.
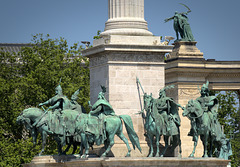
<point x="215" y="23"/>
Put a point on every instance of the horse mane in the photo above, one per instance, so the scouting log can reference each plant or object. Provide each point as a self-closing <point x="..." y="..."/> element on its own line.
<point x="31" y="109"/>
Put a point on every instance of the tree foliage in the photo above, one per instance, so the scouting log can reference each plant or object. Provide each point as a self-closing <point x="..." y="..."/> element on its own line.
<point x="98" y="35"/>
<point x="229" y="117"/>
<point x="28" y="78"/>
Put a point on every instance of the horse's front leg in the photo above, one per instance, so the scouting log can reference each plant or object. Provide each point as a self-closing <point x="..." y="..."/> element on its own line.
<point x="195" y="139"/>
<point x="34" y="134"/>
<point x="166" y="138"/>
<point x="204" y="139"/>
<point x="84" y="144"/>
<point x="44" y="139"/>
<point x="150" y="138"/>
<point x="157" y="145"/>
<point x="180" y="146"/>
<point x="211" y="146"/>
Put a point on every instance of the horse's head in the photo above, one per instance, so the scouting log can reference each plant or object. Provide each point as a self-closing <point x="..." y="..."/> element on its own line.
<point x="147" y="101"/>
<point x="193" y="109"/>
<point x="20" y="119"/>
<point x="189" y="108"/>
<point x="28" y="116"/>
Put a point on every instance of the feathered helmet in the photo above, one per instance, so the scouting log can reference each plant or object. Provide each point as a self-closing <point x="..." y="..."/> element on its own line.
<point x="102" y="93"/>
<point x="75" y="95"/>
<point x="205" y="87"/>
<point x="59" y="88"/>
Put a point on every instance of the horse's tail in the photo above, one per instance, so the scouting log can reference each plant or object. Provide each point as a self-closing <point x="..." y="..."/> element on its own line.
<point x="130" y="131"/>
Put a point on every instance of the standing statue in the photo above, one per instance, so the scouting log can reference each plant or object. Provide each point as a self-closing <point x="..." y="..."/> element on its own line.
<point x="60" y="122"/>
<point x="102" y="124"/>
<point x="202" y="113"/>
<point x="161" y="119"/>
<point x="181" y="25"/>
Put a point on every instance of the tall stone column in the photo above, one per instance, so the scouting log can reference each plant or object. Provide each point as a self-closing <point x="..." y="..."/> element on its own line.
<point x="126" y="50"/>
<point x="126" y="17"/>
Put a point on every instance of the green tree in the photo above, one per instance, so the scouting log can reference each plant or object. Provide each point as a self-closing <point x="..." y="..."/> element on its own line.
<point x="98" y="35"/>
<point x="229" y="117"/>
<point x="28" y="78"/>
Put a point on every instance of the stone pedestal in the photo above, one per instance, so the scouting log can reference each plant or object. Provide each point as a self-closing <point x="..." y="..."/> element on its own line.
<point x="185" y="50"/>
<point x="131" y="162"/>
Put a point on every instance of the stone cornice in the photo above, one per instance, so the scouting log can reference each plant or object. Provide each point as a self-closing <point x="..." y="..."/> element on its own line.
<point x="127" y="48"/>
<point x="126" y="58"/>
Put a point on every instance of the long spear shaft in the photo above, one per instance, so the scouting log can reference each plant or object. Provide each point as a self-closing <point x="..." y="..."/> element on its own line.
<point x="138" y="83"/>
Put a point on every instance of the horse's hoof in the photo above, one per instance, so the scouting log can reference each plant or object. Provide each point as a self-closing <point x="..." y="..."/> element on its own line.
<point x="205" y="156"/>
<point x="191" y="156"/>
<point x="128" y="155"/>
<point x="161" y="155"/>
<point x="103" y="155"/>
<point x="157" y="155"/>
<point x="84" y="156"/>
<point x="150" y="155"/>
<point x="40" y="154"/>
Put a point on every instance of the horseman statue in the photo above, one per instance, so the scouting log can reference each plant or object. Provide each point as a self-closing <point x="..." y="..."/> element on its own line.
<point x="161" y="118"/>
<point x="203" y="113"/>
<point x="59" y="120"/>
<point x="100" y="110"/>
<point x="58" y="103"/>
<point x="102" y="124"/>
<point x="209" y="105"/>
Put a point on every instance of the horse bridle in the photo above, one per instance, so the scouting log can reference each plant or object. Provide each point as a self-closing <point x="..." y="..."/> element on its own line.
<point x="27" y="120"/>
<point x="195" y="117"/>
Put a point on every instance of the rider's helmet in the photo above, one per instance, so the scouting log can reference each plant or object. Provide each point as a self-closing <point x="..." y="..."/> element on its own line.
<point x="205" y="90"/>
<point x="101" y="95"/>
<point x="58" y="90"/>
<point x="162" y="93"/>
<point x="75" y="95"/>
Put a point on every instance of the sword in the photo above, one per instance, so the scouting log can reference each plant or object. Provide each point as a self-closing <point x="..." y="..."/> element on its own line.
<point x="189" y="10"/>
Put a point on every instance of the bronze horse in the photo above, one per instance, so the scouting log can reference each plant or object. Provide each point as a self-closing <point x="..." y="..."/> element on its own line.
<point x="153" y="130"/>
<point x="200" y="123"/>
<point x="36" y="120"/>
<point x="113" y="126"/>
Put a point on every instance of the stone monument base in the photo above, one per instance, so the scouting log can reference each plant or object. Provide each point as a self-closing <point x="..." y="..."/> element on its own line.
<point x="73" y="161"/>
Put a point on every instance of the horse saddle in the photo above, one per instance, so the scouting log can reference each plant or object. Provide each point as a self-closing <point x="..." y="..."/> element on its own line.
<point x="94" y="125"/>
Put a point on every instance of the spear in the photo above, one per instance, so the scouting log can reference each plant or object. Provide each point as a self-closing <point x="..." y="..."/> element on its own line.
<point x="138" y="83"/>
